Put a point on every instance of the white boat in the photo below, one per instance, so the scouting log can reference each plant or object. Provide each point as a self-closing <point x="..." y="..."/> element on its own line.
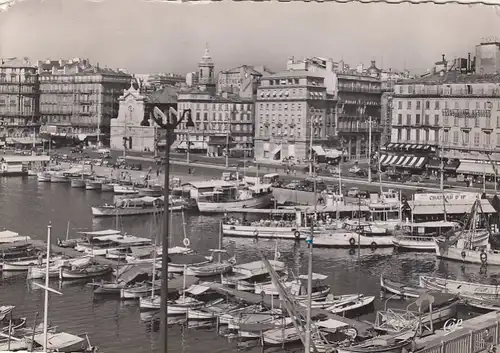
<point x="135" y="206"/>
<point x="39" y="271"/>
<point x="350" y="304"/>
<point x="124" y="189"/>
<point x="210" y="269"/>
<point x="77" y="183"/>
<point x="44" y="176"/>
<point x="178" y="262"/>
<point x="298" y="288"/>
<point x="139" y="290"/>
<point x="182" y="305"/>
<point x="22" y="265"/>
<point x="93" y="184"/>
<point x="100" y="245"/>
<point x="84" y="272"/>
<point x="108" y="187"/>
<point x="223" y="199"/>
<point x="329" y="301"/>
<point x="462" y="288"/>
<point x="344" y="238"/>
<point x="5" y="310"/>
<point x="281" y="336"/>
<point x="61" y="342"/>
<point x="59" y="177"/>
<point x="211" y="312"/>
<point x="419" y="236"/>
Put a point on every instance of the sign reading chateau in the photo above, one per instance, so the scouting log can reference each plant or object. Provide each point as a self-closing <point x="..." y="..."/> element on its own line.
<point x="466" y="113"/>
<point x="455" y="197"/>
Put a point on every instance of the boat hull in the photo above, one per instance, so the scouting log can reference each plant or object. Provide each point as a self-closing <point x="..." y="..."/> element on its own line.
<point x="341" y="239"/>
<point x="93" y="185"/>
<point x="107" y="187"/>
<point x="78" y="183"/>
<point x="67" y="274"/>
<point x="462" y="288"/>
<point x="130" y="211"/>
<point x="491" y="258"/>
<point x="221" y="207"/>
<point x="58" y="179"/>
<point x="124" y="190"/>
<point x="138" y="292"/>
<point x="37" y="272"/>
<point x="265" y="232"/>
<point x="414" y="243"/>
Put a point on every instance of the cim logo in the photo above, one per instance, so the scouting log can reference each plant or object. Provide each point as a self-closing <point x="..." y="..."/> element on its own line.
<point x="452" y="325"/>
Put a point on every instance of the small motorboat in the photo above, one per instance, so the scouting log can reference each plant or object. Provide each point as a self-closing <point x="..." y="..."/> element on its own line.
<point x="351" y="304"/>
<point x="281" y="336"/>
<point x="138" y="290"/>
<point x="329" y="301"/>
<point x="15" y="324"/>
<point x="379" y="344"/>
<point x="211" y="312"/>
<point x="400" y="289"/>
<point x="211" y="269"/>
<point x="86" y="272"/>
<point x="39" y="271"/>
<point x="5" y="310"/>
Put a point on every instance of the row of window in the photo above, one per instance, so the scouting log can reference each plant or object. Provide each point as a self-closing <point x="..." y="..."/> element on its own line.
<point x="284" y="131"/>
<point x="62" y="99"/>
<point x="445" y="121"/>
<point x="221" y="117"/>
<point x="279" y="106"/>
<point x="201" y="138"/>
<point x="462" y="104"/>
<point x="215" y="106"/>
<point x="458" y="137"/>
<point x="13" y="78"/>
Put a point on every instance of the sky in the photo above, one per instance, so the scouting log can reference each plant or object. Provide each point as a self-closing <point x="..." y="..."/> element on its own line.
<point x="149" y="37"/>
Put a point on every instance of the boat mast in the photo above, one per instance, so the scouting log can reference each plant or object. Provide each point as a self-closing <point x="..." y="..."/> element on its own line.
<point x="359" y="244"/>
<point x="46" y="303"/>
<point x="67" y="232"/>
<point x="309" y="241"/>
<point x="154" y="259"/>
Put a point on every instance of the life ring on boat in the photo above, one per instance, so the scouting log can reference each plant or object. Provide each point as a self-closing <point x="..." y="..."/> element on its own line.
<point x="186" y="242"/>
<point x="277" y="255"/>
<point x="255" y="233"/>
<point x="463" y="253"/>
<point x="352" y="241"/>
<point x="297" y="234"/>
<point x="484" y="258"/>
<point x="373" y="245"/>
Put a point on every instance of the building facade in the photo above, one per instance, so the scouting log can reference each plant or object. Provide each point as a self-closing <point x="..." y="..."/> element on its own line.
<point x="222" y="121"/>
<point x="134" y="129"/>
<point x="454" y="112"/>
<point x="359" y="100"/>
<point x="19" y="102"/>
<point x="78" y="100"/>
<point x="292" y="109"/>
<point x="241" y="81"/>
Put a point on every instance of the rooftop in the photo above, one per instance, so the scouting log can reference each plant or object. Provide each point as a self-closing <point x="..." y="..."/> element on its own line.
<point x="293" y="74"/>
<point x="452" y="77"/>
<point x="230" y="98"/>
<point x="16" y="63"/>
<point x="166" y="95"/>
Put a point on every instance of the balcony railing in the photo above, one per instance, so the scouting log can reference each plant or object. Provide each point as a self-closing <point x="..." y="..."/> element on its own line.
<point x="349" y="129"/>
<point x="441" y="91"/>
<point x="349" y="88"/>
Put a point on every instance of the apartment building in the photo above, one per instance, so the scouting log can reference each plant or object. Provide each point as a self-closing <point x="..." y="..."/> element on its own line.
<point x="19" y="101"/>
<point x="293" y="108"/>
<point x="222" y="121"/>
<point x="78" y="100"/>
<point x="242" y="80"/>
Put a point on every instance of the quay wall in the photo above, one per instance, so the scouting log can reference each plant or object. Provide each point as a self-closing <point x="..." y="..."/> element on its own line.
<point x="470" y="338"/>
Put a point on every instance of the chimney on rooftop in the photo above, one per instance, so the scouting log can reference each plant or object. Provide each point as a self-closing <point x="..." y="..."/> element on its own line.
<point x="469" y="64"/>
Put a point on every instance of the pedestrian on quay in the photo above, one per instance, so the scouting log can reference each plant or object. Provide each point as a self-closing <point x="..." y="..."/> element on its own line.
<point x="158" y="172"/>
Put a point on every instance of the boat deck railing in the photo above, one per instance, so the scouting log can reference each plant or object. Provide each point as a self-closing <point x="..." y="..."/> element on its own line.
<point x="396" y="320"/>
<point x="414" y="237"/>
<point x="466" y="337"/>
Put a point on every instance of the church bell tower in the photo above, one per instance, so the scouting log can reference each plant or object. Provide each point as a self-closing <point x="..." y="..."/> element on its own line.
<point x="206" y="75"/>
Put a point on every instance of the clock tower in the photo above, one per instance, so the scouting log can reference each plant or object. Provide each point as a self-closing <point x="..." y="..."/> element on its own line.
<point x="206" y="75"/>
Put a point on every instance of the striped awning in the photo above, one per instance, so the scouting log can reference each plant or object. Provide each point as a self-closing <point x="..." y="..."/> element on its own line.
<point x="414" y="162"/>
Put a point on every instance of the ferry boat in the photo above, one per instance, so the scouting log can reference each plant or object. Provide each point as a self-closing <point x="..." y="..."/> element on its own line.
<point x="420" y="236"/>
<point x="223" y="199"/>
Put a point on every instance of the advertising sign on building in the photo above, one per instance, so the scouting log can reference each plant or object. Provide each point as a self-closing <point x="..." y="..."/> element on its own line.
<point x="452" y="197"/>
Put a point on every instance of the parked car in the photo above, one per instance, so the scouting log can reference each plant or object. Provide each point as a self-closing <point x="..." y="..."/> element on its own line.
<point x="353" y="192"/>
<point x="354" y="169"/>
<point x="291" y="186"/>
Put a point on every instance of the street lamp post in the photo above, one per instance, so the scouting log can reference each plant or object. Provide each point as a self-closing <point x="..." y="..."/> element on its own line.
<point x="164" y="123"/>
<point x="370" y="149"/>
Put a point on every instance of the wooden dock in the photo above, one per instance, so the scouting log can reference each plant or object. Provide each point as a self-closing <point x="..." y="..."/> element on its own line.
<point x="70" y="252"/>
<point x="470" y="337"/>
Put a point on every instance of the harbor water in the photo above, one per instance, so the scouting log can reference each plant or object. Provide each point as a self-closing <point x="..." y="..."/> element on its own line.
<point x="27" y="206"/>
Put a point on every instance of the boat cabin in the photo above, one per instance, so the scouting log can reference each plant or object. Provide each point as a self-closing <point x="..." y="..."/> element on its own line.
<point x="272" y="178"/>
<point x="198" y="188"/>
<point x="449" y="206"/>
<point x="429" y="229"/>
<point x="235" y="193"/>
<point x="19" y="165"/>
